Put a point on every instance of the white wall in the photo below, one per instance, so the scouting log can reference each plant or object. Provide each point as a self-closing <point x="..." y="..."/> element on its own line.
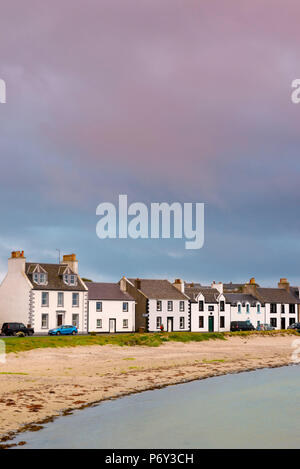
<point x="164" y="314"/>
<point x="253" y="316"/>
<point x="111" y="309"/>
<point x="14" y="293"/>
<point x="279" y="315"/>
<point x="52" y="310"/>
<point x="195" y="313"/>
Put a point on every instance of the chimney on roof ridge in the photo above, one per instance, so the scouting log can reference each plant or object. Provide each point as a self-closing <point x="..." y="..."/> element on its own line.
<point x="284" y="284"/>
<point x="16" y="263"/>
<point x="71" y="261"/>
<point x="138" y="283"/>
<point x="217" y="286"/>
<point x="179" y="284"/>
<point x="123" y="284"/>
<point x="250" y="287"/>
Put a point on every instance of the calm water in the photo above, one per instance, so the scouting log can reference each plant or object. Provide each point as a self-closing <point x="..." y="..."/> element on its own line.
<point x="260" y="409"/>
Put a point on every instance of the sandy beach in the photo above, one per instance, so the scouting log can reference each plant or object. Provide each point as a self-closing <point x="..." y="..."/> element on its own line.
<point x="43" y="383"/>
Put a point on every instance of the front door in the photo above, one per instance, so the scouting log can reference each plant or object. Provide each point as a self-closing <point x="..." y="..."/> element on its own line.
<point x="112" y="326"/>
<point x="170" y="324"/>
<point x="60" y="320"/>
<point x="211" y="324"/>
<point x="282" y="323"/>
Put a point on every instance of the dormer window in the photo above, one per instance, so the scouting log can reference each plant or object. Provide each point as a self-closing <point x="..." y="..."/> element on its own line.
<point x="70" y="279"/>
<point x="40" y="278"/>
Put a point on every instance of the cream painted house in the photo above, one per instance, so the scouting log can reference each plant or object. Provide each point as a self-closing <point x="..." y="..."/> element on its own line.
<point x="109" y="308"/>
<point x="43" y="296"/>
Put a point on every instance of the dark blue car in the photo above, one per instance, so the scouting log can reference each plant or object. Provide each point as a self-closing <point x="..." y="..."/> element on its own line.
<point x="63" y="330"/>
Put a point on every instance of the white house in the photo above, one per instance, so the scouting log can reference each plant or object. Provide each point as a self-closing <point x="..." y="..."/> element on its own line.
<point x="43" y="296"/>
<point x="210" y="311"/>
<point x="158" y="303"/>
<point x="109" y="308"/>
<point x="280" y="304"/>
<point x="245" y="307"/>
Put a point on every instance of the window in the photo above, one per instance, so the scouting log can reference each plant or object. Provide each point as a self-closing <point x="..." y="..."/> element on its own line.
<point x="181" y="322"/>
<point x="258" y="307"/>
<point x="211" y="308"/>
<point x="170" y="305"/>
<point x="99" y="323"/>
<point x="222" y="321"/>
<point x="125" y="307"/>
<point x="40" y="278"/>
<point x="222" y="305"/>
<point x="248" y="308"/>
<point x="181" y="306"/>
<point x="125" y="323"/>
<point x="201" y="305"/>
<point x="239" y="308"/>
<point x="75" y="299"/>
<point x="99" y="306"/>
<point x="45" y="298"/>
<point x="158" y="305"/>
<point x="75" y="320"/>
<point x="273" y="308"/>
<point x="60" y="298"/>
<point x="292" y="321"/>
<point x="158" y="322"/>
<point x="201" y="322"/>
<point x="292" y="309"/>
<point x="70" y="279"/>
<point x="45" y="318"/>
<point x="273" y="322"/>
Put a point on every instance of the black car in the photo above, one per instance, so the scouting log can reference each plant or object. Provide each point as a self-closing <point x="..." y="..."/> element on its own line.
<point x="12" y="328"/>
<point x="241" y="326"/>
<point x="295" y="325"/>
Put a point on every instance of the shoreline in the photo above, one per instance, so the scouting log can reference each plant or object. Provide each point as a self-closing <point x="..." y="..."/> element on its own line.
<point x="167" y="365"/>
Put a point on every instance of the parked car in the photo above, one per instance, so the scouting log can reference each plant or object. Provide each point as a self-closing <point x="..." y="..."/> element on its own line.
<point x="295" y="325"/>
<point x="12" y="328"/>
<point x="63" y="330"/>
<point x="241" y="326"/>
<point x="265" y="327"/>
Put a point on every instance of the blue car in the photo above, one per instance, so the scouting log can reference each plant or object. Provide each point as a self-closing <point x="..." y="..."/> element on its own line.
<point x="63" y="330"/>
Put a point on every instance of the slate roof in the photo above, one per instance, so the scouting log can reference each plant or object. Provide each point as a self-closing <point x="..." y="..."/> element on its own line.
<point x="107" y="291"/>
<point x="240" y="298"/>
<point x="55" y="277"/>
<point x="232" y="287"/>
<point x="158" y="289"/>
<point x="210" y="294"/>
<point x="277" y="295"/>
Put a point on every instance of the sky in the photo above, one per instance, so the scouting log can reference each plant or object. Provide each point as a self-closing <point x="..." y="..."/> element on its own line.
<point x="162" y="100"/>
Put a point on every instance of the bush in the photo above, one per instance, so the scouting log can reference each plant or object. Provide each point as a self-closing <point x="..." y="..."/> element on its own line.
<point x="93" y="333"/>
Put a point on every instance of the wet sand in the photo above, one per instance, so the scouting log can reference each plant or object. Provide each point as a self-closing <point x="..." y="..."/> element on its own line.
<point x="57" y="380"/>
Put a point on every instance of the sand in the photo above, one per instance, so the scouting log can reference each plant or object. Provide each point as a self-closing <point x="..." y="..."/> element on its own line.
<point x="70" y="378"/>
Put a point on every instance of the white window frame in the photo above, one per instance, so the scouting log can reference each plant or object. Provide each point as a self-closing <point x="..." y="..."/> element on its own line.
<point x="60" y="294"/>
<point x="125" y="307"/>
<point x="182" y="322"/>
<point x="47" y="321"/>
<point x="158" y="305"/>
<point x="170" y="305"/>
<point x="99" y="323"/>
<point x="181" y="306"/>
<point x="77" y="322"/>
<point x="75" y="295"/>
<point x="46" y="293"/>
<point x="158" y="322"/>
<point x="125" y="323"/>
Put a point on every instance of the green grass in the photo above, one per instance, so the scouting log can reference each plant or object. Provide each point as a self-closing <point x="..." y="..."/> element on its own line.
<point x="21" y="344"/>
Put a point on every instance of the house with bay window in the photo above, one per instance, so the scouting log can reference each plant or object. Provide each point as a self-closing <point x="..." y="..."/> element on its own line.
<point x="109" y="308"/>
<point x="159" y="303"/>
<point x="43" y="296"/>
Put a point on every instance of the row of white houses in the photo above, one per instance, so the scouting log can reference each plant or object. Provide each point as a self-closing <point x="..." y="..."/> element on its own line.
<point x="45" y="296"/>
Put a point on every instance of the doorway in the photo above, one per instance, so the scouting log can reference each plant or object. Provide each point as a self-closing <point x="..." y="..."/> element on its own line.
<point x="210" y="324"/>
<point x="170" y="324"/>
<point x="60" y="319"/>
<point x="282" y="323"/>
<point x="112" y="326"/>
